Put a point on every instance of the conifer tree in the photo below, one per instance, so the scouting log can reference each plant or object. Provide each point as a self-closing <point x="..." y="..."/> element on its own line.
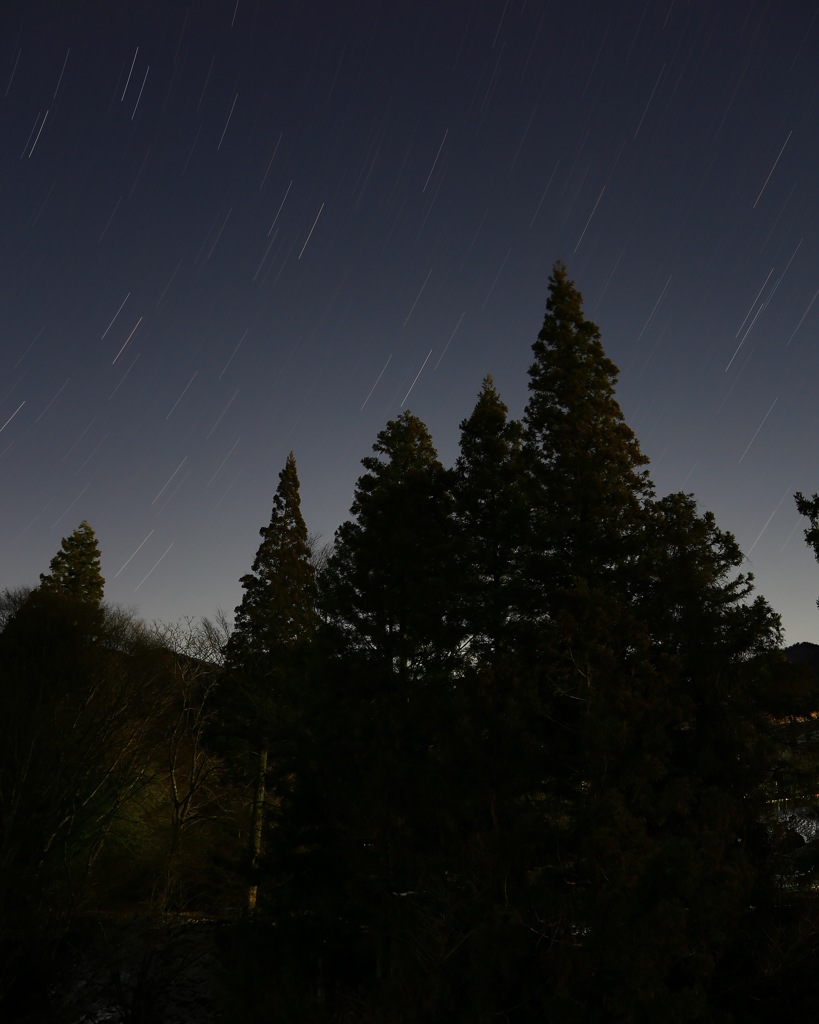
<point x="586" y="488"/>
<point x="75" y="569"/>
<point x="586" y="476"/>
<point x="471" y="909"/>
<point x="676" y="836"/>
<point x="643" y="652"/>
<point x="387" y="583"/>
<point x="277" y="614"/>
<point x="491" y="514"/>
<point x="267" y="653"/>
<point x="387" y="594"/>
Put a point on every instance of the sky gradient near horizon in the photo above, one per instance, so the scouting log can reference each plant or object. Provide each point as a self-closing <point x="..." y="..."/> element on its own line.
<point x="235" y="228"/>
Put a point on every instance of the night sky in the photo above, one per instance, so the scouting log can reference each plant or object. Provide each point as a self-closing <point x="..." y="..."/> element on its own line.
<point x="232" y="228"/>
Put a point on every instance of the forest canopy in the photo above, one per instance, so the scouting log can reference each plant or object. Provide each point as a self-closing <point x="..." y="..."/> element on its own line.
<point x="520" y="744"/>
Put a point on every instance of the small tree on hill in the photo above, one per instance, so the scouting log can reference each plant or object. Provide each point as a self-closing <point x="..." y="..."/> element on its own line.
<point x="75" y="569"/>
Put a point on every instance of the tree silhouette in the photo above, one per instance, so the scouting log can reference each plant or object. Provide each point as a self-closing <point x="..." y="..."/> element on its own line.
<point x="266" y="654"/>
<point x="75" y="569"/>
<point x="491" y="514"/>
<point x="387" y="584"/>
<point x="643" y="654"/>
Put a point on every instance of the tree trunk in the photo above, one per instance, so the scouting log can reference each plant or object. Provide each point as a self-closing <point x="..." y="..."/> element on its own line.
<point x="256" y="831"/>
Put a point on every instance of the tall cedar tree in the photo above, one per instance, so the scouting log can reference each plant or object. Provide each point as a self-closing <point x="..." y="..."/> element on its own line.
<point x="266" y="655"/>
<point x="642" y="703"/>
<point x="277" y="615"/>
<point x="491" y="513"/>
<point x="586" y="488"/>
<point x="387" y="583"/>
<point x="387" y="595"/>
<point x="75" y="569"/>
<point x="586" y="478"/>
<point x="484" y="961"/>
<point x="492" y="518"/>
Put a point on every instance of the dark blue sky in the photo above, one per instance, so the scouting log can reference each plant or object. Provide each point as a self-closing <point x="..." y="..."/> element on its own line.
<point x="230" y="229"/>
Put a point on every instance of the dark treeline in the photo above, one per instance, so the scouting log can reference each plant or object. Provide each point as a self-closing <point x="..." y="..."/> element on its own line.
<point x="520" y="745"/>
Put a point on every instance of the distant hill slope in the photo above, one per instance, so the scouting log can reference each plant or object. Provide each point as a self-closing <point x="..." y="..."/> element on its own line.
<point x="803" y="653"/>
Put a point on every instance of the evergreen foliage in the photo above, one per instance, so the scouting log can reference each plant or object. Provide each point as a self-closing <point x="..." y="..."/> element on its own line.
<point x="386" y="587"/>
<point x="277" y="614"/>
<point x="75" y="569"/>
<point x="523" y="746"/>
<point x="491" y="520"/>
<point x="275" y="623"/>
<point x="375" y="878"/>
<point x="678" y="749"/>
<point x="642" y="654"/>
<point x="809" y="507"/>
<point x="266" y="659"/>
<point x="586" y="480"/>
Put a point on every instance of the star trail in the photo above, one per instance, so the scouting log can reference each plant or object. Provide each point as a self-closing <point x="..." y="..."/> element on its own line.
<point x="234" y="229"/>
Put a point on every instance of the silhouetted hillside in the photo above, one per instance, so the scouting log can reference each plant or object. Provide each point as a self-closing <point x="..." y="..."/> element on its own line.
<point x="803" y="653"/>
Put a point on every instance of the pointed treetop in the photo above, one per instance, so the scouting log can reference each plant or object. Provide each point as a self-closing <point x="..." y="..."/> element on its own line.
<point x="492" y="512"/>
<point x="488" y="407"/>
<point x="572" y="417"/>
<point x="386" y="582"/>
<point x="277" y="612"/>
<point x="404" y="458"/>
<point x="488" y="437"/>
<point x="488" y="399"/>
<point x="565" y="303"/>
<point x="584" y="464"/>
<point x="404" y="439"/>
<point x="75" y="569"/>
<point x="403" y="449"/>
